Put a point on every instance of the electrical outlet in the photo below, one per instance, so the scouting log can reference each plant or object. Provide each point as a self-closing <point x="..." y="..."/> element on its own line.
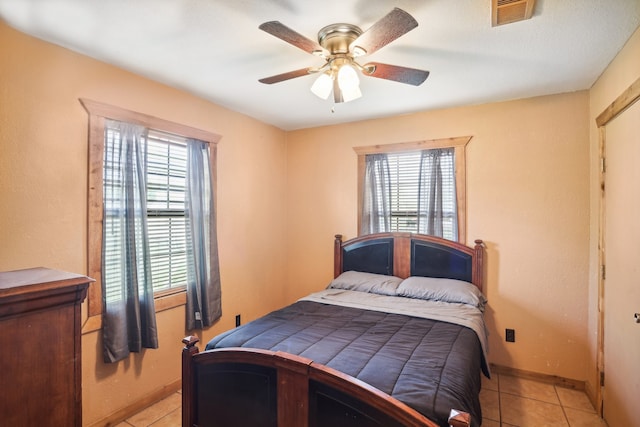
<point x="510" y="335"/>
<point x="238" y="322"/>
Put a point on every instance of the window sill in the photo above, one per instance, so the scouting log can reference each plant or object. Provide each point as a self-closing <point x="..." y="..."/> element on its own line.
<point x="162" y="303"/>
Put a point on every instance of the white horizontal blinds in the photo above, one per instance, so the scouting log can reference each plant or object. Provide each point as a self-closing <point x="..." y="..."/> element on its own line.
<point x="404" y="176"/>
<point x="404" y="168"/>
<point x="166" y="160"/>
<point x="168" y="229"/>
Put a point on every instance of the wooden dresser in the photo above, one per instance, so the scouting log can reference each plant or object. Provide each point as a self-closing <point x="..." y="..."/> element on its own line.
<point x="40" y="372"/>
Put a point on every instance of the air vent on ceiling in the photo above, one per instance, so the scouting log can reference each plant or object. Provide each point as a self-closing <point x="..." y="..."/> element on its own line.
<point x="507" y="11"/>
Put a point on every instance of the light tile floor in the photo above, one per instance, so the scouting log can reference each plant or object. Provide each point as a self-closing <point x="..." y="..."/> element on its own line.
<point x="509" y="401"/>
<point x="165" y="413"/>
<point x="506" y="401"/>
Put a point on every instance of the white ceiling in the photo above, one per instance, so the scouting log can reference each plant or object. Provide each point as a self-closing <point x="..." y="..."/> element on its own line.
<point x="214" y="49"/>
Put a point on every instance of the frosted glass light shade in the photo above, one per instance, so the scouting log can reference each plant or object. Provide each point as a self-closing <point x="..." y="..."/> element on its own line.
<point x="349" y="83"/>
<point x="322" y="86"/>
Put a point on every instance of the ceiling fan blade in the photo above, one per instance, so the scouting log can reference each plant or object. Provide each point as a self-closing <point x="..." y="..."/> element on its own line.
<point x="396" y="73"/>
<point x="281" y="31"/>
<point x="286" y="76"/>
<point x="395" y="24"/>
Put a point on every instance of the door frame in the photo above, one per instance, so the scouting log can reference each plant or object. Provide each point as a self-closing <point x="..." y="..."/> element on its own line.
<point x="625" y="100"/>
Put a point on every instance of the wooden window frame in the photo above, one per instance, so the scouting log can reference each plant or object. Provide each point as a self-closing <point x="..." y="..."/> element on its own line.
<point x="459" y="145"/>
<point x="98" y="113"/>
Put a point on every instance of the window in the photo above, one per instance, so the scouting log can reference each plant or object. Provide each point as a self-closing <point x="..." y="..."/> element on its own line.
<point x="405" y="211"/>
<point x="168" y="232"/>
<point x="397" y="180"/>
<point x="166" y="159"/>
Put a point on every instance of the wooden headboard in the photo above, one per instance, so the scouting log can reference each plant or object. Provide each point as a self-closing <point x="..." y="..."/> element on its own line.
<point x="407" y="254"/>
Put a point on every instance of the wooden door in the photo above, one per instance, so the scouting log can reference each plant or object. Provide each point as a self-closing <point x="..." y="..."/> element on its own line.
<point x="622" y="259"/>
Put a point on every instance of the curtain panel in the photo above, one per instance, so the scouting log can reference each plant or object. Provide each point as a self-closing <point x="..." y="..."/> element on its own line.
<point x="431" y="207"/>
<point x="376" y="206"/>
<point x="129" y="322"/>
<point x="203" y="284"/>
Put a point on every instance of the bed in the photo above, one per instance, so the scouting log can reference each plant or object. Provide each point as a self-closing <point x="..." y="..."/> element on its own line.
<point x="397" y="339"/>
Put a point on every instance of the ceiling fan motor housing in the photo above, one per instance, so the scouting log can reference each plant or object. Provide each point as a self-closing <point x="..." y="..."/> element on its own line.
<point x="336" y="38"/>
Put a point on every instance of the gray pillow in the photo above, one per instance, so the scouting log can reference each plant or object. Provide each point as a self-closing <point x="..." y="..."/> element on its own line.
<point x="366" y="282"/>
<point x="447" y="290"/>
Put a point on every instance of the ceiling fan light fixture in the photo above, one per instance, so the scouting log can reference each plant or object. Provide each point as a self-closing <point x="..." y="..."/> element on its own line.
<point x="322" y="86"/>
<point x="351" y="94"/>
<point x="349" y="83"/>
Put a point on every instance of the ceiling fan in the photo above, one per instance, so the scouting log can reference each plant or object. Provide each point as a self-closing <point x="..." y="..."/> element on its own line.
<point x="339" y="45"/>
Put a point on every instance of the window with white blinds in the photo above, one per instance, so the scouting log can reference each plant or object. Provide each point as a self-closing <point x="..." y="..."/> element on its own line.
<point x="166" y="163"/>
<point x="401" y="163"/>
<point x="404" y="177"/>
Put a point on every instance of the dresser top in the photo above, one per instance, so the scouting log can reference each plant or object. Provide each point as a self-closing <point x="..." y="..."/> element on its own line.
<point x="38" y="278"/>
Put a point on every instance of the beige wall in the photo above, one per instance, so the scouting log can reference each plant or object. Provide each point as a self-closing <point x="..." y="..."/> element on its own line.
<point x="623" y="71"/>
<point x="527" y="197"/>
<point x="43" y="197"/>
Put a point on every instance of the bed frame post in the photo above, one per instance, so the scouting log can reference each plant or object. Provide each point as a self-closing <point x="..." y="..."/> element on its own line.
<point x="402" y="255"/>
<point x="459" y="419"/>
<point x="293" y="389"/>
<point x="188" y="377"/>
<point x="337" y="256"/>
<point x="478" y="268"/>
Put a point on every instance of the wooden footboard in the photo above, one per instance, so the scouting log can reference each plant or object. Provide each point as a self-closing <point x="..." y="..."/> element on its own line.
<point x="252" y="387"/>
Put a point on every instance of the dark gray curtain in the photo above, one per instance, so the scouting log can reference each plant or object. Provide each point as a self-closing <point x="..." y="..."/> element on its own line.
<point x="203" y="284"/>
<point x="129" y="322"/>
<point x="376" y="208"/>
<point x="431" y="212"/>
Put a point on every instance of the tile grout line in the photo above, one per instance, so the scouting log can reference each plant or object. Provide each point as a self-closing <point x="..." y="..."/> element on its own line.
<point x="566" y="418"/>
<point x="499" y="401"/>
<point x="533" y="398"/>
<point x="163" y="417"/>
